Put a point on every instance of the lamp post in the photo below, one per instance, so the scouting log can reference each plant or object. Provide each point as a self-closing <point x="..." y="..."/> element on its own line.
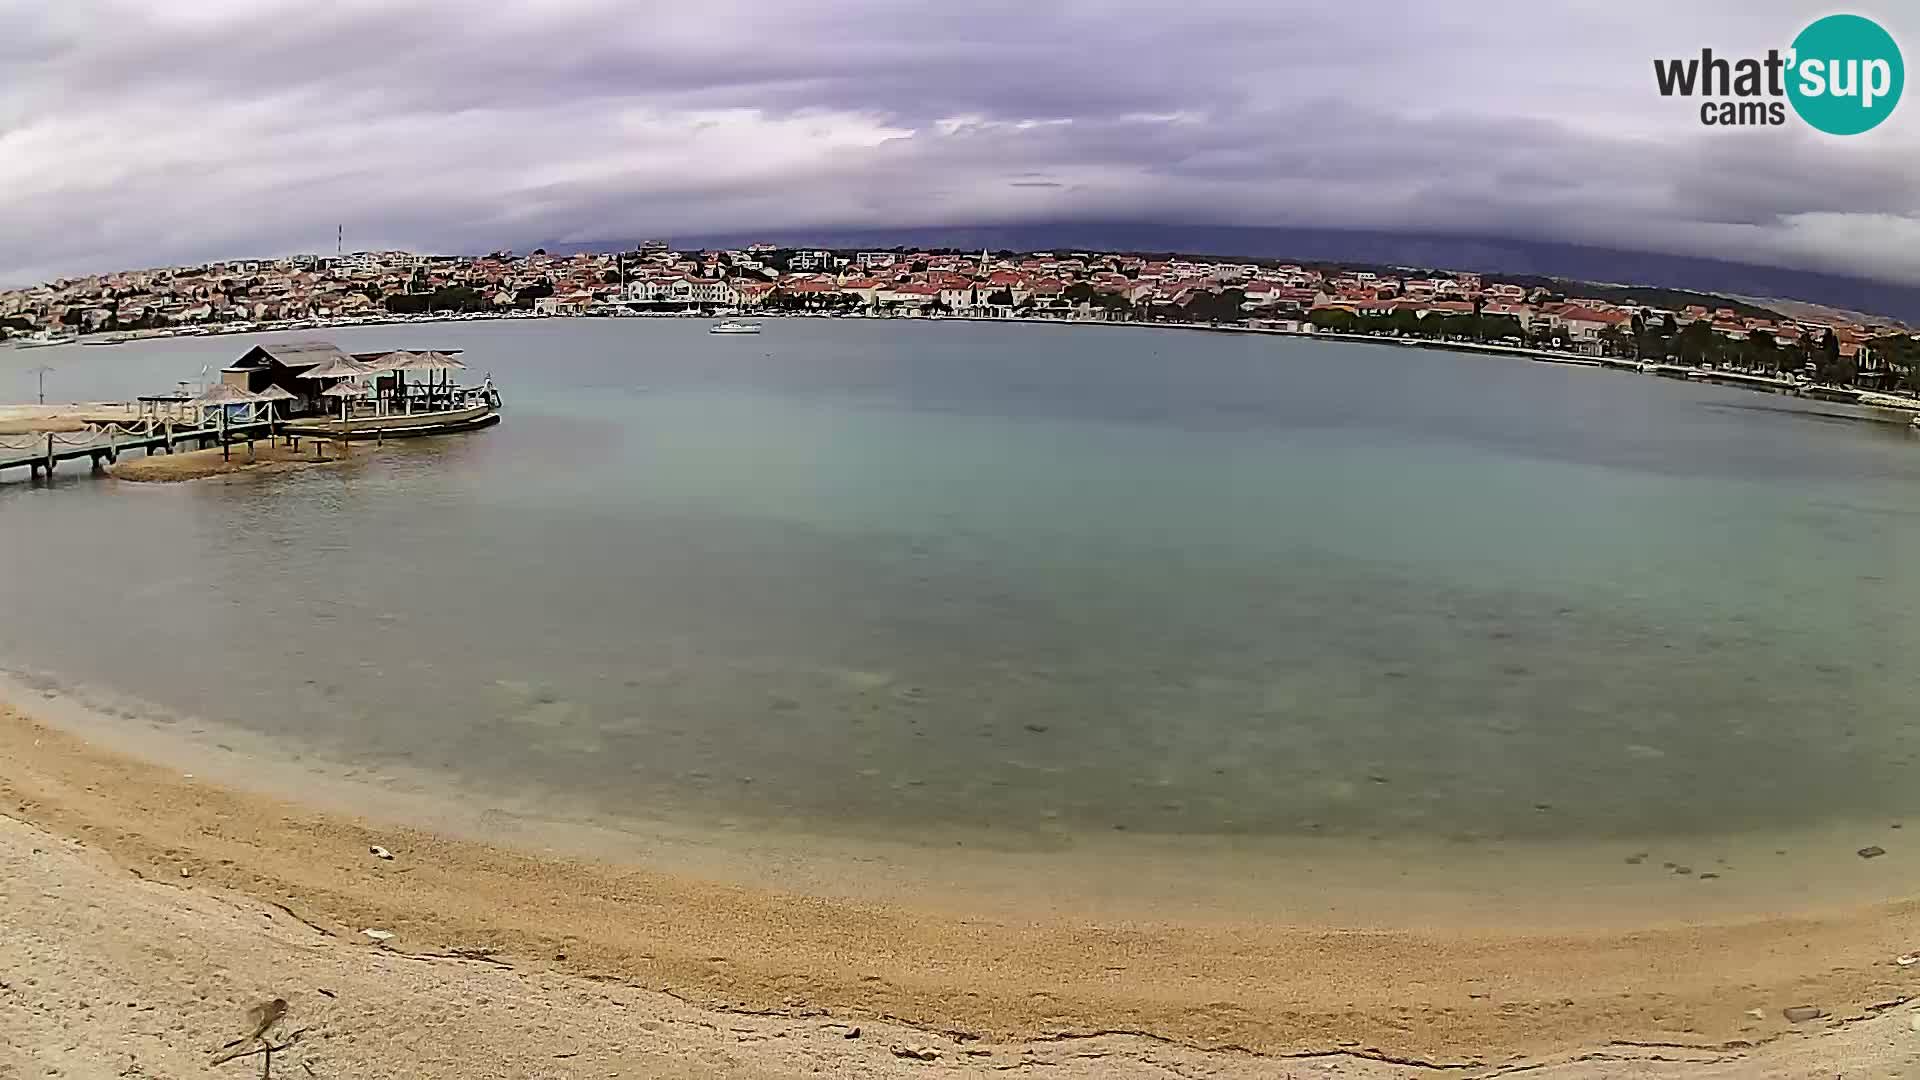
<point x="41" y="371"/>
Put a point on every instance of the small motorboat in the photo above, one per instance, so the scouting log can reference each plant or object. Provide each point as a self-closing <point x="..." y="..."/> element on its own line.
<point x="733" y="326"/>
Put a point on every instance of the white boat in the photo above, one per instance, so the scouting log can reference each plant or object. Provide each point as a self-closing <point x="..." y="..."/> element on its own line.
<point x="733" y="326"/>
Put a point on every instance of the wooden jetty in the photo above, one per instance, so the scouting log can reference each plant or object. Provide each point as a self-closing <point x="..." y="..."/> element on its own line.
<point x="40" y="454"/>
<point x="329" y="395"/>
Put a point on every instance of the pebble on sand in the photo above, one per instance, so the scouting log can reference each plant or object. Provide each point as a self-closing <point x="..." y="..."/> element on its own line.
<point x="1800" y="1014"/>
<point x="1872" y="852"/>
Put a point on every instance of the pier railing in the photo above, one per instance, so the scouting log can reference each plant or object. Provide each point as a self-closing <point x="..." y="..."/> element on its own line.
<point x="102" y="444"/>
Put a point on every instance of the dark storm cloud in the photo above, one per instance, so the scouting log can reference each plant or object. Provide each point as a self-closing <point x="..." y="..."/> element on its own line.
<point x="135" y="134"/>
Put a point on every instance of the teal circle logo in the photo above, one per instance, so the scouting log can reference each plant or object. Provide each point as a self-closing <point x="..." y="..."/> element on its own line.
<point x="1846" y="76"/>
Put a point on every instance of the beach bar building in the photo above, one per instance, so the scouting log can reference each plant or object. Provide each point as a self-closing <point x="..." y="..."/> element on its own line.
<point x="285" y="366"/>
<point x="299" y="371"/>
<point x="327" y="390"/>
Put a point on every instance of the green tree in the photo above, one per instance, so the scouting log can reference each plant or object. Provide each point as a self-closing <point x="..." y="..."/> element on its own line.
<point x="450" y="298"/>
<point x="1829" y="366"/>
<point x="1216" y="308"/>
<point x="1694" y="343"/>
<point x="1498" y="327"/>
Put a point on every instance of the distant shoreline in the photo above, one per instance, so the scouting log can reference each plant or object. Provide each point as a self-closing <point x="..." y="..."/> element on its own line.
<point x="1875" y="407"/>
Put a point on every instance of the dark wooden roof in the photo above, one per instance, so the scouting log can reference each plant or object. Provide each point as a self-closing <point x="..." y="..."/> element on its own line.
<point x="298" y="355"/>
<point x="301" y="355"/>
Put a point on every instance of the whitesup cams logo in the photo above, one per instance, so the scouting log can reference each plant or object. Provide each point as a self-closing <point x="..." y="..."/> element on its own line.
<point x="1843" y="75"/>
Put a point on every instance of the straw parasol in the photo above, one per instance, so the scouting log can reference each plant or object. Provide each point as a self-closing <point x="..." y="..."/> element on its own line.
<point x="434" y="360"/>
<point x="225" y="394"/>
<point x="272" y="394"/>
<point x="339" y="367"/>
<point x="344" y="391"/>
<point x="431" y="361"/>
<point x="400" y="360"/>
<point x="222" y="395"/>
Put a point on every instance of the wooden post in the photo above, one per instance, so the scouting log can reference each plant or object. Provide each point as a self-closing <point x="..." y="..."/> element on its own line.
<point x="50" y="455"/>
<point x="226" y="448"/>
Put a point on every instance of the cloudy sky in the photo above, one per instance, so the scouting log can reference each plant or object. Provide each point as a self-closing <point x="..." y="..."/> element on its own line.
<point x="160" y="131"/>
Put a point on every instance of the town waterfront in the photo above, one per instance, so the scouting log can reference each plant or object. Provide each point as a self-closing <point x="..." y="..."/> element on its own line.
<point x="1027" y="584"/>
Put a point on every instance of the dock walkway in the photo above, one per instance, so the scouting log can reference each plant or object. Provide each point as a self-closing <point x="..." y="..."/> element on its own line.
<point x="41" y="453"/>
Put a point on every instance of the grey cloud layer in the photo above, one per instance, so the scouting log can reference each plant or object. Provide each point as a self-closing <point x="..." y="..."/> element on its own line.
<point x="139" y="134"/>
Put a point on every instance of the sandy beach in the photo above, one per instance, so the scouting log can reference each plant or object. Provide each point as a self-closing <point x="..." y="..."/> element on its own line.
<point x="35" y="419"/>
<point x="167" y="901"/>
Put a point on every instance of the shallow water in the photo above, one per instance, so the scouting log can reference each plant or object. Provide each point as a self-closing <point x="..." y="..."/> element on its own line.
<point x="866" y="576"/>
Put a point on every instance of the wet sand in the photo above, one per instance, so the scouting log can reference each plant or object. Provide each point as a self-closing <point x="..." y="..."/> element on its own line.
<point x="990" y="963"/>
<point x="265" y="457"/>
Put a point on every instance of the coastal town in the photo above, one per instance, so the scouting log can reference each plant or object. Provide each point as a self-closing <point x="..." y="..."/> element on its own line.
<point x="307" y="291"/>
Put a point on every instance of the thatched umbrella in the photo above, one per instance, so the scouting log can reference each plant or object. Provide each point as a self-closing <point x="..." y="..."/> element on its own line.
<point x="227" y="394"/>
<point x="272" y="394"/>
<point x="431" y="361"/>
<point x="399" y="362"/>
<point x="339" y="367"/>
<point x="344" y="391"/>
<point x="393" y="361"/>
<point x="222" y="397"/>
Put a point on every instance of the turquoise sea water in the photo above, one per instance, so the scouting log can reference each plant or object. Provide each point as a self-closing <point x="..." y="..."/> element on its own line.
<point x="851" y="575"/>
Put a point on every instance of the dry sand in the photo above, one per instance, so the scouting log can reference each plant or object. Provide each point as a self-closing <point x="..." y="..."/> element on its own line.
<point x="24" y="419"/>
<point x="265" y="456"/>
<point x="158" y="906"/>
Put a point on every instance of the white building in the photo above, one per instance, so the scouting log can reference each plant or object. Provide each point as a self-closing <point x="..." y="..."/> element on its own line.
<point x="713" y="292"/>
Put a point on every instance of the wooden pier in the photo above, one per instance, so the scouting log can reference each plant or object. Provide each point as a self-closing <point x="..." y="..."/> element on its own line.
<point x="103" y="446"/>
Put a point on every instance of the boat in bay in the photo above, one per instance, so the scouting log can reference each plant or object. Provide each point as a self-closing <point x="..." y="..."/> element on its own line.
<point x="733" y="326"/>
